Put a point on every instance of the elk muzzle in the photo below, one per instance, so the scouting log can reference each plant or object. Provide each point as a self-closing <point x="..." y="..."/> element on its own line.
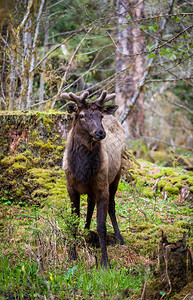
<point x="98" y="135"/>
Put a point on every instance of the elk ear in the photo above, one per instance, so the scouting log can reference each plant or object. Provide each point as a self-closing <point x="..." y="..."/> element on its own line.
<point x="71" y="107"/>
<point x="109" y="109"/>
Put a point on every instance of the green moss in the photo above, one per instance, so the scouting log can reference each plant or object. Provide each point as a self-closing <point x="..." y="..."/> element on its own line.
<point x="60" y="148"/>
<point x="162" y="183"/>
<point x="37" y="143"/>
<point x="20" y="158"/>
<point x="40" y="193"/>
<point x="143" y="226"/>
<point x="158" y="175"/>
<point x="34" y="135"/>
<point x="20" y="191"/>
<point x="170" y="189"/>
<point x="148" y="192"/>
<point x="178" y="185"/>
<point x="7" y="161"/>
<point x="191" y="189"/>
<point x="190" y="180"/>
<point x="183" y="224"/>
<point x="171" y="172"/>
<point x="20" y="167"/>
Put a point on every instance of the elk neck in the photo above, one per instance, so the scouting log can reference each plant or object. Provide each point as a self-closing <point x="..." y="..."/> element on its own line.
<point x="84" y="157"/>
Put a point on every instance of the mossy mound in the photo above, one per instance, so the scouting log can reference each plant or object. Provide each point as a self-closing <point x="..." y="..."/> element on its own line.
<point x="32" y="146"/>
<point x="156" y="181"/>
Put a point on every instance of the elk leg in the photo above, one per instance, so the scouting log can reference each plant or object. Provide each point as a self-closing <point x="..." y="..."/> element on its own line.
<point x="90" y="209"/>
<point x="75" y="207"/>
<point x="111" y="209"/>
<point x="102" y="204"/>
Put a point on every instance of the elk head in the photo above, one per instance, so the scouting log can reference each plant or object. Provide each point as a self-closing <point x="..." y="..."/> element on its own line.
<point x="88" y="116"/>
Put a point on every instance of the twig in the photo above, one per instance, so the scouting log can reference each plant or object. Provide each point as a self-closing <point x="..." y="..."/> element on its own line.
<point x="167" y="276"/>
<point x="144" y="289"/>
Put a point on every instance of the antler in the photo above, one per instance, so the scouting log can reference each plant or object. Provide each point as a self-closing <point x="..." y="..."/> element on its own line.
<point x="79" y="100"/>
<point x="104" y="97"/>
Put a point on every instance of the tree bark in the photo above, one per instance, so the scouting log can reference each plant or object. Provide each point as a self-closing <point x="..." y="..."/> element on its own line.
<point x="27" y="39"/>
<point x="45" y="48"/>
<point x="129" y="65"/>
<point x="33" y="55"/>
<point x="12" y="78"/>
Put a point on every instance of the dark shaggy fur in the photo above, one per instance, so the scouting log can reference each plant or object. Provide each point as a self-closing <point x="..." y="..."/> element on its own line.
<point x="84" y="163"/>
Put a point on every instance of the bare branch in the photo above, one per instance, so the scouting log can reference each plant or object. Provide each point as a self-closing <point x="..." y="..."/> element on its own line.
<point x="69" y="65"/>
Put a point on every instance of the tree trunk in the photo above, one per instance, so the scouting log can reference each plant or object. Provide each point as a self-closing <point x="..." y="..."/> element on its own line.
<point x="41" y="91"/>
<point x="129" y="65"/>
<point x="27" y="40"/>
<point x="12" y="78"/>
<point x="33" y="55"/>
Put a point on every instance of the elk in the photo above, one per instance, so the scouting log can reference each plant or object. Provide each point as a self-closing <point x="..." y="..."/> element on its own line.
<point x="93" y="160"/>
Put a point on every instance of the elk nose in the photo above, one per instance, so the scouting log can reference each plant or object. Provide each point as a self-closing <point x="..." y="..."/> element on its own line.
<point x="100" y="135"/>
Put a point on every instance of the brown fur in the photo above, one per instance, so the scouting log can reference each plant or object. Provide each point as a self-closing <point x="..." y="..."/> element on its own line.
<point x="93" y="167"/>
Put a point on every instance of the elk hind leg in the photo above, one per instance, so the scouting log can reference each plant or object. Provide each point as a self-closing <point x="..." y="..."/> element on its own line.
<point x="73" y="226"/>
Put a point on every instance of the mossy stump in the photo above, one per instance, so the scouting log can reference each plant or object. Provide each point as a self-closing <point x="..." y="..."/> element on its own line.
<point x="30" y="142"/>
<point x="175" y="270"/>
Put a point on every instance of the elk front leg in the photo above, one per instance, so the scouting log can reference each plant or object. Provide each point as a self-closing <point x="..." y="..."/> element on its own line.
<point x="90" y="209"/>
<point x="102" y="205"/>
<point x="111" y="210"/>
<point x="75" y="207"/>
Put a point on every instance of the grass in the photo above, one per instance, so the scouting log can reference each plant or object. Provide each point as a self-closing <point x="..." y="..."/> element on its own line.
<point x="34" y="261"/>
<point x="35" y="240"/>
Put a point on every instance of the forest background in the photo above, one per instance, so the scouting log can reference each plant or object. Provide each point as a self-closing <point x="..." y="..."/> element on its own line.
<point x="142" y="50"/>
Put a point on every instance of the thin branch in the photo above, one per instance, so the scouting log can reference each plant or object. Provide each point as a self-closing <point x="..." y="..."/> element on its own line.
<point x="173" y="38"/>
<point x="59" y="45"/>
<point x="20" y="27"/>
<point x="69" y="65"/>
<point x="73" y="56"/>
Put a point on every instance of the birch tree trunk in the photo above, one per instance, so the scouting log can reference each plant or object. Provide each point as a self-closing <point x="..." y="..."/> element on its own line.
<point x="129" y="65"/>
<point x="45" y="48"/>
<point x="27" y="40"/>
<point x="13" y="63"/>
<point x="33" y="55"/>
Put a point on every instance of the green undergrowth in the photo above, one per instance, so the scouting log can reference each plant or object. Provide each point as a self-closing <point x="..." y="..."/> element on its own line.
<point x="34" y="260"/>
<point x="36" y="229"/>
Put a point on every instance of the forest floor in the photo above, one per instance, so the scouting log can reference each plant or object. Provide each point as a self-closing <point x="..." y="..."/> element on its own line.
<point x="35" y="239"/>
